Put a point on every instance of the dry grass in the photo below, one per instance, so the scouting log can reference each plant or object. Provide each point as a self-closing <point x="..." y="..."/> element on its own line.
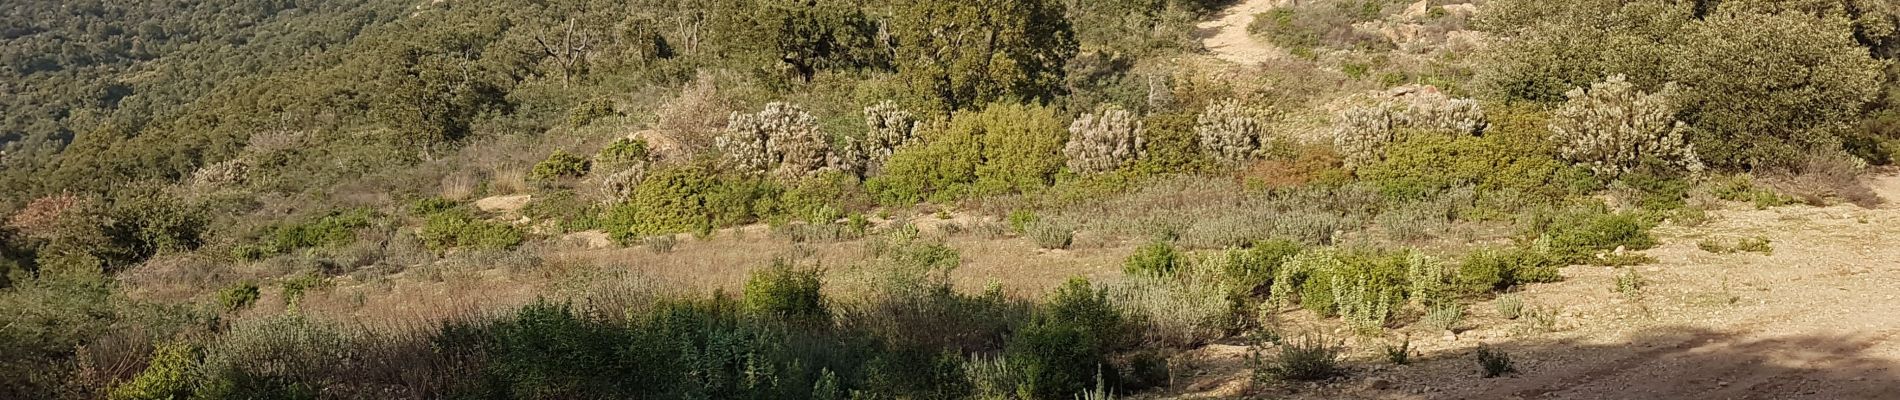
<point x="460" y="186"/>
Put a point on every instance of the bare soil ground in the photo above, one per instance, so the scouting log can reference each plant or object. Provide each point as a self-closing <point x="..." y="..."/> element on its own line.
<point x="1816" y="319"/>
<point x="1227" y="38"/>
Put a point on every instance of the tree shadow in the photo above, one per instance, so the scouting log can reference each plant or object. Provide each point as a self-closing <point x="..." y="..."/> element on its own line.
<point x="1684" y="363"/>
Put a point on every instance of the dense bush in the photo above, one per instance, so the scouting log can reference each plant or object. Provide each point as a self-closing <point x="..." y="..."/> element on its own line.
<point x="1614" y="128"/>
<point x="962" y="55"/>
<point x="1232" y="132"/>
<point x="1022" y="147"/>
<point x="459" y="229"/>
<point x="169" y="375"/>
<point x="1745" y="113"/>
<point x="1362" y="132"/>
<point x="1104" y="141"/>
<point x="560" y="165"/>
<point x="238" y="296"/>
<point x="1499" y="269"/>
<point x="1157" y="258"/>
<point x="1578" y="236"/>
<point x="785" y="292"/>
<point x="1066" y="348"/>
<point x="335" y="229"/>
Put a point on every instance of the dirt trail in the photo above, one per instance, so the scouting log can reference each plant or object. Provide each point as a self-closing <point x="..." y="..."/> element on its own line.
<point x="1227" y="35"/>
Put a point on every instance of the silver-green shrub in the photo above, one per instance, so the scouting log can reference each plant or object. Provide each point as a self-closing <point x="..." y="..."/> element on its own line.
<point x="1232" y="132"/>
<point x="1362" y="132"/>
<point x="887" y="128"/>
<point x="1104" y="141"/>
<point x="1612" y="127"/>
<point x="783" y="139"/>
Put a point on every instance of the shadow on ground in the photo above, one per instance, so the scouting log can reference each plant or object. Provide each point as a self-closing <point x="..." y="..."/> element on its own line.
<point x="1683" y="363"/>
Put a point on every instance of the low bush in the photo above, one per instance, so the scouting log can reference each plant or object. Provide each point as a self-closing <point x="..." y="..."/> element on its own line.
<point x="1577" y="236"/>
<point x="1064" y="349"/>
<point x="560" y="165"/>
<point x="331" y="230"/>
<point x="785" y="292"/>
<point x="170" y="375"/>
<point x="1050" y="234"/>
<point x="457" y="229"/>
<point x="1757" y="244"/>
<point x="238" y="296"/>
<point x="1495" y="363"/>
<point x="1309" y="358"/>
<point x="1499" y="269"/>
<point x="1157" y="258"/>
<point x="623" y="152"/>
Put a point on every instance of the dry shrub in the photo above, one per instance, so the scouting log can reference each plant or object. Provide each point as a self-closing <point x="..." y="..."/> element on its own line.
<point x="39" y="217"/>
<point x="1308" y="166"/>
<point x="460" y="186"/>
<point x="1824" y="175"/>
<point x="510" y="180"/>
<point x="697" y="114"/>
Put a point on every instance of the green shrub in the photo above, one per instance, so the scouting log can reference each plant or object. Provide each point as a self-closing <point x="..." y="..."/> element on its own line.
<point x="170" y="374"/>
<point x="560" y="165"/>
<point x="1576" y="237"/>
<point x="941" y="168"/>
<point x="623" y="151"/>
<point x="1757" y="244"/>
<point x="457" y="229"/>
<point x="238" y="296"/>
<point x="1400" y="354"/>
<point x="687" y="199"/>
<point x="295" y="287"/>
<point x="1310" y="358"/>
<point x="1510" y="306"/>
<point x="586" y="112"/>
<point x="1443" y="317"/>
<point x="821" y="199"/>
<point x="1423" y="165"/>
<point x="433" y="205"/>
<point x="1157" y="258"/>
<point x="784" y="292"/>
<point x="1022" y="147"/>
<point x="1495" y="363"/>
<point x="1742" y="188"/>
<point x="1251" y="269"/>
<point x="1020" y="220"/>
<point x="1499" y="269"/>
<point x="332" y="230"/>
<point x="1067" y="345"/>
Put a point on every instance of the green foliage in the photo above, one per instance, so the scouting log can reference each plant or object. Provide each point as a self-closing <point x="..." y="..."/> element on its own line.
<point x="1745" y="113"/>
<point x="295" y="287"/>
<point x="586" y="112"/>
<point x="785" y="292"/>
<point x="1499" y="269"/>
<point x="1157" y="258"/>
<point x="1575" y="237"/>
<point x="622" y="152"/>
<point x="1509" y="158"/>
<point x="168" y="376"/>
<point x="962" y="55"/>
<point x="332" y="230"/>
<point x="560" y="165"/>
<point x="1742" y="187"/>
<point x="1321" y="24"/>
<point x="238" y="296"/>
<point x="1063" y="349"/>
<point x="456" y="229"/>
<point x="1495" y="363"/>
<point x="1022" y="147"/>
<point x="686" y="199"/>
<point x="1310" y="358"/>
<point x="1250" y="270"/>
<point x="941" y="168"/>
<point x="821" y="199"/>
<point x="1757" y="244"/>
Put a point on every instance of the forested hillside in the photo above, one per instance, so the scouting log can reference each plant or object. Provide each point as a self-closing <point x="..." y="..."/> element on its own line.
<point x="866" y="199"/>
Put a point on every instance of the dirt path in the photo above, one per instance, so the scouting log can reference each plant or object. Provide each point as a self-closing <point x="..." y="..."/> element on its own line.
<point x="1227" y="36"/>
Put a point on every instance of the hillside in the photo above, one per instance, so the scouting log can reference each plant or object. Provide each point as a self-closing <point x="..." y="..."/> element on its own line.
<point x="992" y="199"/>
